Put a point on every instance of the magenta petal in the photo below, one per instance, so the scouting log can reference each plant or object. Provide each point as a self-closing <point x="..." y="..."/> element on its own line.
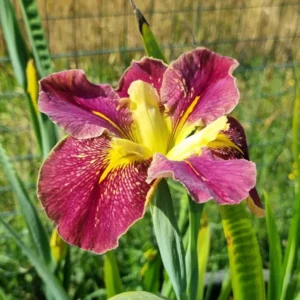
<point x="225" y="181"/>
<point x="89" y="214"/>
<point x="81" y="108"/>
<point x="237" y="136"/>
<point x="204" y="74"/>
<point x="149" y="70"/>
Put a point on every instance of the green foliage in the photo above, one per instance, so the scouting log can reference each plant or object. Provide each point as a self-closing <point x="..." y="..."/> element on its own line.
<point x="168" y="238"/>
<point x="274" y="285"/>
<point x="151" y="271"/>
<point x="36" y="36"/>
<point x="203" y="247"/>
<point x="226" y="288"/>
<point x="137" y="296"/>
<point x="290" y="256"/>
<point x="194" y="247"/>
<point x="151" y="46"/>
<point x="243" y="251"/>
<point x="112" y="277"/>
<point x="21" y="60"/>
<point x="51" y="282"/>
<point x="16" y="46"/>
<point x="37" y="231"/>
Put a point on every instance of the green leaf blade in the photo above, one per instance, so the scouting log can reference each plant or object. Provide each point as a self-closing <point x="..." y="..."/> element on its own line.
<point x="36" y="35"/>
<point x="274" y="285"/>
<point x="150" y="44"/>
<point x="16" y="46"/>
<point x="51" y="282"/>
<point x="37" y="231"/>
<point x="168" y="238"/>
<point x="203" y="247"/>
<point x="293" y="237"/>
<point x="112" y="279"/>
<point x="191" y="260"/>
<point x="137" y="296"/>
<point x="244" y="256"/>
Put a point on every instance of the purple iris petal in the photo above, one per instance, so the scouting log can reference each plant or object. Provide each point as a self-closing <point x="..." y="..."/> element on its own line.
<point x="200" y="82"/>
<point x="89" y="214"/>
<point x="225" y="181"/>
<point x="81" y="108"/>
<point x="149" y="70"/>
<point x="236" y="134"/>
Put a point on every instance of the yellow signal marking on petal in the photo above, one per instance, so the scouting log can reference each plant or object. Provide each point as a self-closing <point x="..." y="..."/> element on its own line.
<point x="223" y="141"/>
<point x="183" y="129"/>
<point x="32" y="83"/>
<point x="193" y="144"/>
<point x="104" y="117"/>
<point x="122" y="153"/>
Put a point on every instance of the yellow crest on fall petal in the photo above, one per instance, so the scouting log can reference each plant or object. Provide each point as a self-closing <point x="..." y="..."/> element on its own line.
<point x="193" y="144"/>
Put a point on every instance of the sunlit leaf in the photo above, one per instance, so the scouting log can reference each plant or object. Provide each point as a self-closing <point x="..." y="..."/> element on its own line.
<point x="36" y="35"/>
<point x="151" y="46"/>
<point x="136" y="296"/>
<point x="244" y="256"/>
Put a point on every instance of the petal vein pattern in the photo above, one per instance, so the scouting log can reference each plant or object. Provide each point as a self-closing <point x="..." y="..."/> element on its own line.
<point x="89" y="214"/>
<point x="226" y="181"/>
<point x="82" y="109"/>
<point x="200" y="83"/>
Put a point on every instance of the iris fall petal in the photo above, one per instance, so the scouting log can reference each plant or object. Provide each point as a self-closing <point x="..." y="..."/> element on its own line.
<point x="92" y="211"/>
<point x="226" y="181"/>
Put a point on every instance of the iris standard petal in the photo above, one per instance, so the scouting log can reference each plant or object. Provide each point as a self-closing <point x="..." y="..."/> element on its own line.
<point x="149" y="70"/>
<point x="82" y="109"/>
<point x="205" y="178"/>
<point x="232" y="144"/>
<point x="197" y="89"/>
<point x="91" y="207"/>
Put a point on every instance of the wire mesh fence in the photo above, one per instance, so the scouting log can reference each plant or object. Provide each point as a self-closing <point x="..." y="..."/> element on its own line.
<point x="102" y="38"/>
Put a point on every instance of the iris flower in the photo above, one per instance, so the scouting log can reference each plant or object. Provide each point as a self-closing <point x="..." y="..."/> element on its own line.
<point x="162" y="121"/>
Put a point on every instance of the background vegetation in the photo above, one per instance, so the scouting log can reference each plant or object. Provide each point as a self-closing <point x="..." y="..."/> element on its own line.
<point x="102" y="38"/>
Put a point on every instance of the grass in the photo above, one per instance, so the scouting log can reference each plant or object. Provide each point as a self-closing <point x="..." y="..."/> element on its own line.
<point x="267" y="88"/>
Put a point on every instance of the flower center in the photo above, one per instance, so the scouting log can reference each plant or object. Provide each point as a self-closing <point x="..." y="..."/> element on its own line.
<point x="150" y="128"/>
